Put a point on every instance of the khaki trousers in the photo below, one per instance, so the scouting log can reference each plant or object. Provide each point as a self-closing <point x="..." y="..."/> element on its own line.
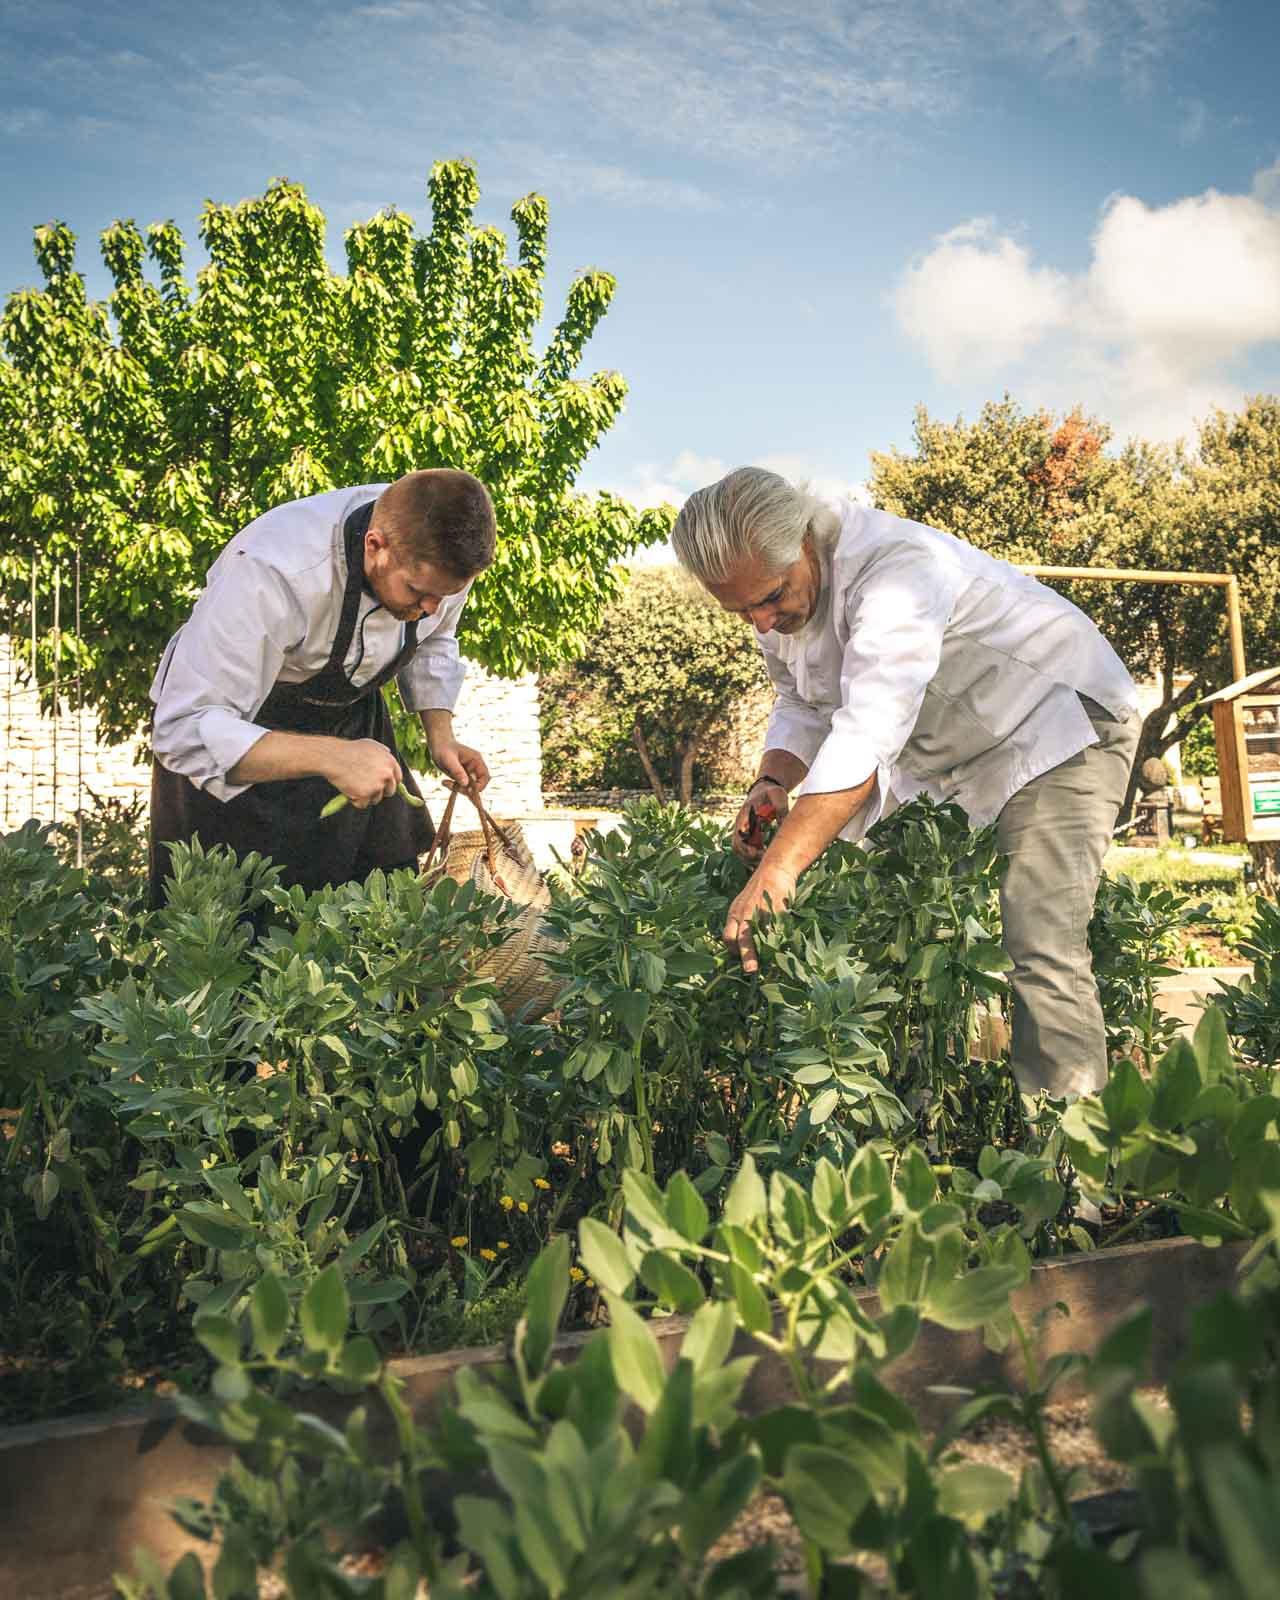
<point x="1055" y="832"/>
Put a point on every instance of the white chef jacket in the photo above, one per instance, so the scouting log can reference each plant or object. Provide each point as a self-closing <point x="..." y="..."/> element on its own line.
<point x="936" y="667"/>
<point x="269" y="612"/>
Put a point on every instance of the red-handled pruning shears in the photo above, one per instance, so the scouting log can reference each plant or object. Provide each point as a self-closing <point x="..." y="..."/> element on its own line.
<point x="752" y="835"/>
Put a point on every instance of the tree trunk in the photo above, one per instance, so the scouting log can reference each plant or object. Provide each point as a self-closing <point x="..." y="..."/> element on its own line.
<point x="1266" y="868"/>
<point x="685" y="757"/>
<point x="1154" y="741"/>
<point x="646" y="760"/>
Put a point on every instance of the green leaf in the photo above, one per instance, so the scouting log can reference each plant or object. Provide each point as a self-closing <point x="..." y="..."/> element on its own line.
<point x="546" y="1292"/>
<point x="686" y="1209"/>
<point x="632" y="1008"/>
<point x="671" y="1281"/>
<point x="746" y="1201"/>
<point x="822" y="1105"/>
<point x="361" y="1362"/>
<point x="1126" y="1099"/>
<point x="220" y="1337"/>
<point x="270" y="1313"/>
<point x="1212" y="1045"/>
<point x="915" y="1179"/>
<point x="604" y="1256"/>
<point x="186" y="1581"/>
<point x="824" y="1495"/>
<point x="750" y="1299"/>
<point x="637" y="1362"/>
<point x="972" y="1298"/>
<point x="974" y="1492"/>
<point x="324" y="1313"/>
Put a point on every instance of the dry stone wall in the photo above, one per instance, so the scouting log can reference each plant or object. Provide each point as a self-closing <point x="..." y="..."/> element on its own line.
<point x="45" y="760"/>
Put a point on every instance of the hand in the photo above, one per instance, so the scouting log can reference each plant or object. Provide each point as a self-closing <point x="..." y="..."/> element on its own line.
<point x="770" y="889"/>
<point x="749" y="846"/>
<point x="364" y="770"/>
<point x="459" y="762"/>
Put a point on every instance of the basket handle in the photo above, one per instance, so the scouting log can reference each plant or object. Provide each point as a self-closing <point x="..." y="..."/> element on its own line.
<point x="493" y="834"/>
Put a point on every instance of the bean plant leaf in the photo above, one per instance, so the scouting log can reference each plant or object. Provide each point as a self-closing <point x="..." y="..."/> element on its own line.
<point x="270" y="1313"/>
<point x="637" y="1362"/>
<point x="324" y="1311"/>
<point x="546" y="1292"/>
<point x="605" y="1256"/>
<point x="746" y="1200"/>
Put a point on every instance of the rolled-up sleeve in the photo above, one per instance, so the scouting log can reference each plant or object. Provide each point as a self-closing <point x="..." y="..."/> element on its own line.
<point x="897" y="615"/>
<point x="432" y="679"/>
<point x="219" y="669"/>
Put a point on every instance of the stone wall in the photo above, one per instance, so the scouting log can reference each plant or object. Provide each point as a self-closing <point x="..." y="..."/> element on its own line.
<point x="41" y="757"/>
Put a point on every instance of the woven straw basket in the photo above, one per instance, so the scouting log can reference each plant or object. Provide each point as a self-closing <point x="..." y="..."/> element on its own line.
<point x="495" y="857"/>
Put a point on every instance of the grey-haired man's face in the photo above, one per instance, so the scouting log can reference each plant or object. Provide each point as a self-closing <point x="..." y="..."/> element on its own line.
<point x="771" y="601"/>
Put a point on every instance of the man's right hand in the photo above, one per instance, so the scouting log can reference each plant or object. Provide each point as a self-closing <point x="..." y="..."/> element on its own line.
<point x="364" y="770"/>
<point x="765" y="802"/>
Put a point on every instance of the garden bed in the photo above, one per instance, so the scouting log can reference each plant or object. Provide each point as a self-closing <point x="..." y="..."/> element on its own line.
<point x="86" y="1491"/>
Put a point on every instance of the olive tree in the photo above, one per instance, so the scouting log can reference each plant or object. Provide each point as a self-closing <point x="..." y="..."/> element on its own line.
<point x="665" y="672"/>
<point x="1029" y="490"/>
<point x="142" y="432"/>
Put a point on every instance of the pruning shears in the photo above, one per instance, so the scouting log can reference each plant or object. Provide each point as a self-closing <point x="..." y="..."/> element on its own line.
<point x="752" y="835"/>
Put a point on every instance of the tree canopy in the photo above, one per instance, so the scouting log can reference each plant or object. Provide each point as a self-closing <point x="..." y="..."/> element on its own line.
<point x="1030" y="489"/>
<point x="144" y="431"/>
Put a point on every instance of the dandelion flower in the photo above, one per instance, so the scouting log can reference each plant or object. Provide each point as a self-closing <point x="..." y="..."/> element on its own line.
<point x="488" y="1255"/>
<point x="577" y="1274"/>
<point x="506" y="1202"/>
<point x="524" y="1205"/>
<point x="541" y="1183"/>
<point x="459" y="1242"/>
<point x="503" y="1245"/>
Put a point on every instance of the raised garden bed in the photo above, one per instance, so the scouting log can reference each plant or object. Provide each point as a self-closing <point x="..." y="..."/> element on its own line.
<point x="79" y="1495"/>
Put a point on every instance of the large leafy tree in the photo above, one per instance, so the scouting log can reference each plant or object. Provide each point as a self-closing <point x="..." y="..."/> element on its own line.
<point x="664" y="673"/>
<point x="1028" y="488"/>
<point x="141" y="433"/>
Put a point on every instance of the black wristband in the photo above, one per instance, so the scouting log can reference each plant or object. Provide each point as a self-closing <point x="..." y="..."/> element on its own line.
<point x="766" y="778"/>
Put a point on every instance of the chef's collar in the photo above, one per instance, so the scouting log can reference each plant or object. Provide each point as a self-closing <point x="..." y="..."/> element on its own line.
<point x="353" y="532"/>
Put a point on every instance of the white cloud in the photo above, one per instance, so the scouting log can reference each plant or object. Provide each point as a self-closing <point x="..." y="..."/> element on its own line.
<point x="672" y="482"/>
<point x="976" y="303"/>
<point x="1146" y="336"/>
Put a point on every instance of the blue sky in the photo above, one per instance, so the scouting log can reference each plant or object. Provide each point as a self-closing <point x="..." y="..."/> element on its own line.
<point x="820" y="214"/>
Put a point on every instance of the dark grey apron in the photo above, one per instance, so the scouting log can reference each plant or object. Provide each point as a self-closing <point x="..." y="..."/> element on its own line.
<point x="282" y="819"/>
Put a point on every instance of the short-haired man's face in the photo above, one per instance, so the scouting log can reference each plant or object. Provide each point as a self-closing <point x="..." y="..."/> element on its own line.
<point x="409" y="589"/>
<point x="771" y="601"/>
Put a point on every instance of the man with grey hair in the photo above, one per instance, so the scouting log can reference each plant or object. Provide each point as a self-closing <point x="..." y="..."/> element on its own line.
<point x="905" y="662"/>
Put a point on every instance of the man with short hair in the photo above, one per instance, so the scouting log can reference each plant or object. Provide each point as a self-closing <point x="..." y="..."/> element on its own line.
<point x="267" y="700"/>
<point x="907" y="662"/>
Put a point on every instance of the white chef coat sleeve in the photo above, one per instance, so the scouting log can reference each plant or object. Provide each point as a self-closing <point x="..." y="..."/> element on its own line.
<point x="432" y="678"/>
<point x="897" y="616"/>
<point x="218" y="670"/>
<point x="794" y="724"/>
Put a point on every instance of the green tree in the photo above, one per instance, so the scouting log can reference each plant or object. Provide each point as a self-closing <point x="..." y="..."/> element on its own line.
<point x="665" y="672"/>
<point x="144" y="431"/>
<point x="1029" y="490"/>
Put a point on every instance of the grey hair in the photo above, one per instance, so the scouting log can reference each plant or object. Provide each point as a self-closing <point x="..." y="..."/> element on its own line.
<point x="749" y="512"/>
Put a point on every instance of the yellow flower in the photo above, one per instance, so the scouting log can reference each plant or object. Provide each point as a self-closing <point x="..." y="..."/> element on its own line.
<point x="459" y="1242"/>
<point x="488" y="1255"/>
<point x="591" y="1283"/>
<point x="524" y="1205"/>
<point x="506" y="1202"/>
<point x="577" y="1274"/>
<point x="503" y="1245"/>
<point x="541" y="1183"/>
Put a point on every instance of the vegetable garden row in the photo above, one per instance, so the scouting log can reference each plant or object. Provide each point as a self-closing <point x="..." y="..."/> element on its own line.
<point x="259" y="1140"/>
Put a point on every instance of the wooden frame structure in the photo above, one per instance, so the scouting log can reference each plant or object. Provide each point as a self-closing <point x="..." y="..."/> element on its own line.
<point x="1242" y="721"/>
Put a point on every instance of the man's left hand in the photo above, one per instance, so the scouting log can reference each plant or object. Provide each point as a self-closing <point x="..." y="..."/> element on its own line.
<point x="768" y="890"/>
<point x="461" y="763"/>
